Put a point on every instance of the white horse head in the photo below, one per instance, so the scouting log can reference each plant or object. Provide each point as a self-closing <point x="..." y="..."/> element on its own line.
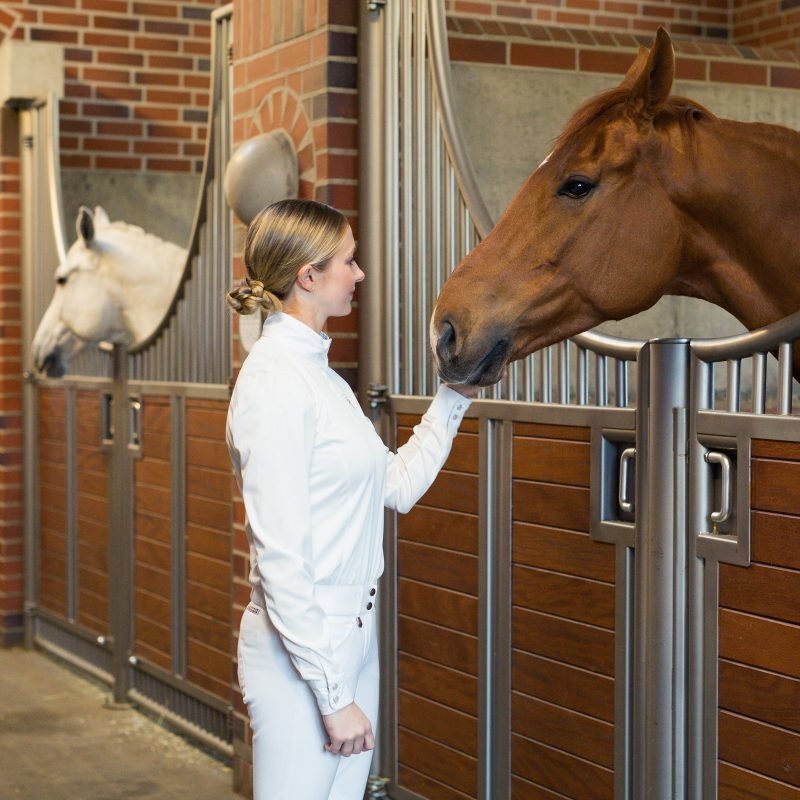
<point x="115" y="286"/>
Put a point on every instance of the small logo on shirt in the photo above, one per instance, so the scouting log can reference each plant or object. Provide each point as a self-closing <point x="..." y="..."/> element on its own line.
<point x="253" y="609"/>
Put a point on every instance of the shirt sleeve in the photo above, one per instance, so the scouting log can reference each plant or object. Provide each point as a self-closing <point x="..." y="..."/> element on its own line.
<point x="271" y="436"/>
<point x="413" y="468"/>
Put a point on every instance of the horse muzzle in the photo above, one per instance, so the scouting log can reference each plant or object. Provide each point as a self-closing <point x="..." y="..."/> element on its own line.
<point x="478" y="365"/>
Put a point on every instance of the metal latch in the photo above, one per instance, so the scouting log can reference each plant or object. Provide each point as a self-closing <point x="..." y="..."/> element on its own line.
<point x="374" y="5"/>
<point x="724" y="512"/>
<point x="628" y="454"/>
<point x="376" y="394"/>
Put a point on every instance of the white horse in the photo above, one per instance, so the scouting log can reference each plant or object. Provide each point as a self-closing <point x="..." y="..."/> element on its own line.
<point x="115" y="286"/>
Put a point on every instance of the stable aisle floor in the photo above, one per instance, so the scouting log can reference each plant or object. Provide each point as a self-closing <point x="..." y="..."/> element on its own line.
<point x="58" y="742"/>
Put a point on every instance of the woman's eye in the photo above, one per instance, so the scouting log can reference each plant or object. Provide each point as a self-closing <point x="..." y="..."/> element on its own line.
<point x="576" y="188"/>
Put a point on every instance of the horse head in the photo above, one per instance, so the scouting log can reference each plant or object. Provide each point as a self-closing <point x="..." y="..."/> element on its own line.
<point x="592" y="235"/>
<point x="115" y="286"/>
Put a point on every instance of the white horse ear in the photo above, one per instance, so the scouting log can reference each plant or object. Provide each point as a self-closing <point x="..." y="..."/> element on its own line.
<point x="101" y="218"/>
<point x="84" y="225"/>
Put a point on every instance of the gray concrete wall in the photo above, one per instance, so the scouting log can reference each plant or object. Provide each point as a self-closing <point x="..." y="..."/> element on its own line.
<point x="510" y="118"/>
<point x="161" y="203"/>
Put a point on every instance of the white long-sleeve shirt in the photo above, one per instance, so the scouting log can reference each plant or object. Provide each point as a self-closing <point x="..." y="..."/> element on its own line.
<point x="315" y="478"/>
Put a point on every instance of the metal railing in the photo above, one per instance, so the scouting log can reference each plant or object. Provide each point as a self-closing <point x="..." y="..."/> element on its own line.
<point x="435" y="215"/>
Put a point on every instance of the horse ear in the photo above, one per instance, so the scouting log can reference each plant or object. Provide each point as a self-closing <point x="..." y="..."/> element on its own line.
<point x="635" y="70"/>
<point x="100" y="217"/>
<point x="84" y="225"/>
<point x="651" y="84"/>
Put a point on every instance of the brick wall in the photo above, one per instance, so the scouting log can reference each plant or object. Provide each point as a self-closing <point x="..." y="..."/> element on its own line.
<point x="704" y="18"/>
<point x="295" y="70"/>
<point x="530" y="45"/>
<point x="775" y="22"/>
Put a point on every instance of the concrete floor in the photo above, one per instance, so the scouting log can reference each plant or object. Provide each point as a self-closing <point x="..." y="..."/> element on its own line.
<point x="58" y="742"/>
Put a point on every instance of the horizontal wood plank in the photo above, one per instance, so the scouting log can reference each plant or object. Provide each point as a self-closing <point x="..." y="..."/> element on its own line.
<point x="214" y="633"/>
<point x="766" y="448"/>
<point x="438" y="722"/>
<point x="154" y="472"/>
<point x="759" y="642"/>
<point x="153" y="499"/>
<point x="563" y="685"/>
<point x="427" y="787"/>
<point x="740" y="784"/>
<point x="764" y="696"/>
<point x="212" y="483"/>
<point x="568" y="552"/>
<point x="558" y="727"/>
<point x="156" y="415"/>
<point x="438" y="762"/>
<point x="205" y="423"/>
<point x="567" y="432"/>
<point x="441" y="528"/>
<point x="525" y="790"/>
<point x="438" y="567"/>
<point x="775" y="539"/>
<point x="464" y="453"/>
<point x="760" y="748"/>
<point x="563" y="640"/>
<point x="207" y="453"/>
<point x="551" y="505"/>
<point x="455" y="491"/>
<point x="209" y="572"/>
<point x="766" y="591"/>
<point x="774" y="486"/>
<point x="448" y="686"/>
<point x="564" y="596"/>
<point x="208" y="542"/>
<point x="408" y="421"/>
<point x="573" y="777"/>
<point x="211" y="513"/>
<point x="551" y="461"/>
<point x="438" y="605"/>
<point x="440" y="645"/>
<point x="208" y="601"/>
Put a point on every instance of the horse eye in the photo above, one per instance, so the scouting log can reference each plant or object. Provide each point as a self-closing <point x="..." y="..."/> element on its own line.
<point x="576" y="188"/>
<point x="61" y="280"/>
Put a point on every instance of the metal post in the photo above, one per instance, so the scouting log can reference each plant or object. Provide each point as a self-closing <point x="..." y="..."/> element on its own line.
<point x="659" y="673"/>
<point x="371" y="211"/>
<point x="121" y="550"/>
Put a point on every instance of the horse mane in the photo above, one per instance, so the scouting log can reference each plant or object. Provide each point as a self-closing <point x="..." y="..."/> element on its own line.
<point x="677" y="109"/>
<point x="136" y="230"/>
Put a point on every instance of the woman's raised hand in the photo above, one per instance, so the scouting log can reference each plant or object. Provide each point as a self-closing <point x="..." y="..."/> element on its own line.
<point x="349" y="730"/>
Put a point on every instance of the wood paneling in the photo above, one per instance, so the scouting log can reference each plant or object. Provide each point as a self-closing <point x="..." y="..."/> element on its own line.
<point x="765" y="591"/>
<point x="563" y="685"/>
<point x="564" y="596"/>
<point x="567" y="432"/>
<point x="762" y="695"/>
<point x="561" y="772"/>
<point x="563" y="729"/>
<point x="761" y="748"/>
<point x="765" y="448"/>
<point x="551" y="505"/>
<point x="455" y="491"/>
<point x="564" y="640"/>
<point x="463" y="454"/>
<point x="762" y="643"/>
<point x="439" y="527"/>
<point x="208" y="453"/>
<point x="551" y="460"/>
<point x="427" y="787"/>
<point x="438" y="567"/>
<point x="774" y="486"/>
<point x="438" y="722"/>
<point x="563" y="551"/>
<point x="525" y="790"/>
<point x="774" y="539"/>
<point x="441" y="645"/>
<point x="452" y="687"/>
<point x="437" y="761"/>
<point x="740" y="784"/>
<point x="437" y="605"/>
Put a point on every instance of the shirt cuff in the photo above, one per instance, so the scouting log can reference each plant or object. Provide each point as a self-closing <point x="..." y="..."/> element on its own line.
<point x="448" y="406"/>
<point x="331" y="697"/>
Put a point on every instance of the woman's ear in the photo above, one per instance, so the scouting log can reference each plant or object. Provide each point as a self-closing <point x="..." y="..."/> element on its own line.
<point x="305" y="277"/>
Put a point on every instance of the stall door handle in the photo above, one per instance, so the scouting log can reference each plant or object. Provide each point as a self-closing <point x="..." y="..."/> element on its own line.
<point x="724" y="512"/>
<point x="628" y="454"/>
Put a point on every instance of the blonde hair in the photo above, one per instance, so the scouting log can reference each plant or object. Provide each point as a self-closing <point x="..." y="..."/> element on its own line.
<point x="282" y="238"/>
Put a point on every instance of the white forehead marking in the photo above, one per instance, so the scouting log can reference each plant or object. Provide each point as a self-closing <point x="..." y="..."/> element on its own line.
<point x="546" y="159"/>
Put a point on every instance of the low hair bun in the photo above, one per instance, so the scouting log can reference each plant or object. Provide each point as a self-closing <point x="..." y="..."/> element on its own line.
<point x="251" y="295"/>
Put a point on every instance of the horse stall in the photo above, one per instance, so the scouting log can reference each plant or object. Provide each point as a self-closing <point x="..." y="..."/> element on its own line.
<point x="598" y="596"/>
<point x="128" y="540"/>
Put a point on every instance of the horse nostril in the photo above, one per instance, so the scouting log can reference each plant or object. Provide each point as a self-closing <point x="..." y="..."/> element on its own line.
<point x="446" y="343"/>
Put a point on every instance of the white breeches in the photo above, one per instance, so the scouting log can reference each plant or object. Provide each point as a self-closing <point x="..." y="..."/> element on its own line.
<point x="289" y="762"/>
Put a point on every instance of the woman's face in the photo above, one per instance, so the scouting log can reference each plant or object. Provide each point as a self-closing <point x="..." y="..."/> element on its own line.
<point x="337" y="283"/>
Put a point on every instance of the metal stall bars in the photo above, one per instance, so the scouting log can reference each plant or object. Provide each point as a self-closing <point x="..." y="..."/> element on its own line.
<point x="475" y="525"/>
<point x="147" y="621"/>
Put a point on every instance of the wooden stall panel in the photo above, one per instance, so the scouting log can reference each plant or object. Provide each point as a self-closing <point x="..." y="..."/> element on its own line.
<point x="92" y="514"/>
<point x="438" y="628"/>
<point x="563" y="596"/>
<point x="759" y="639"/>
<point x="153" y="535"/>
<point x="209" y="509"/>
<point x="53" y="499"/>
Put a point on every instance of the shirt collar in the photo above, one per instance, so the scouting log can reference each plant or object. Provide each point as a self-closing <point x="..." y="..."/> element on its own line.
<point x="297" y="336"/>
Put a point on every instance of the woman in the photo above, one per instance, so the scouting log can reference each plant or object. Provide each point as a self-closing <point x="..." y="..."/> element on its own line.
<point x="315" y="477"/>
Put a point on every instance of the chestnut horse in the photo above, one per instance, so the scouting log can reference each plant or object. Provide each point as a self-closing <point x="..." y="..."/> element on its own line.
<point x="644" y="195"/>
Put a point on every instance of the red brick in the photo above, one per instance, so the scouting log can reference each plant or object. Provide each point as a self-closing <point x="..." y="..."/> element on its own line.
<point x="603" y="61"/>
<point x="785" y="77"/>
<point x="158" y="61"/>
<point x="155" y="9"/>
<point x="44" y="35"/>
<point x="169" y="113"/>
<point x="168" y="165"/>
<point x="166" y="28"/>
<point x="520" y="12"/>
<point x="114" y="6"/>
<point x="690" y="69"/>
<point x="100" y="75"/>
<point x="131" y="129"/>
<point x="125" y="93"/>
<point x="169" y="131"/>
<point x="65" y="19"/>
<point x="156" y="148"/>
<point x="116" y="23"/>
<point x="536" y="55"/>
<point x="153" y="43"/>
<point x="480" y="50"/>
<point x="118" y="162"/>
<point x="107" y="145"/>
<point x="724" y="72"/>
<point x="105" y="110"/>
<point x="157" y="78"/>
<point x="114" y="57"/>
